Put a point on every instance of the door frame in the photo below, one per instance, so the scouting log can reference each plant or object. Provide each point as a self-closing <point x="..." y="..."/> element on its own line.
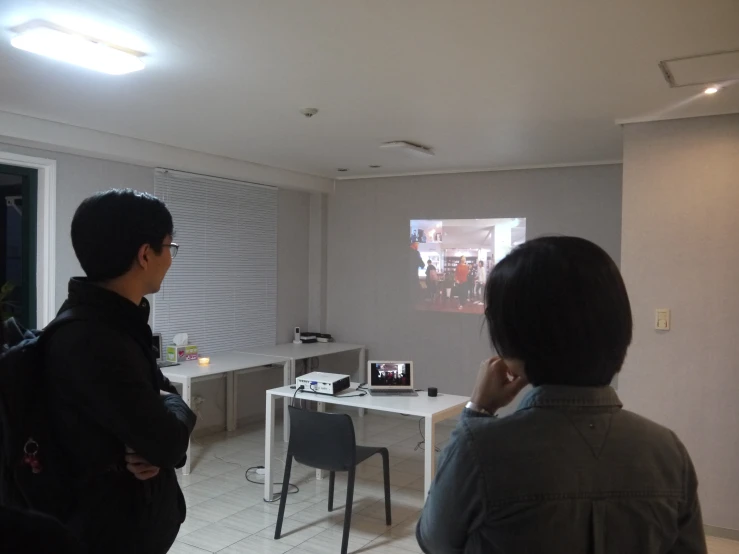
<point x="45" y="232"/>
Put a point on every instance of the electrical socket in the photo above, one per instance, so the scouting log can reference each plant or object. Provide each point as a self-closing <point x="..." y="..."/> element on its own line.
<point x="260" y="471"/>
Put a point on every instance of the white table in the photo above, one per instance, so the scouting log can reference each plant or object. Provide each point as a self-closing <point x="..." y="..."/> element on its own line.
<point x="227" y="365"/>
<point x="432" y="410"/>
<point x="295" y="352"/>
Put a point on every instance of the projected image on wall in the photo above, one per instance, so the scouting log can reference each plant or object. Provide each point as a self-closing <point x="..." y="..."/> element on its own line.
<point x="450" y="260"/>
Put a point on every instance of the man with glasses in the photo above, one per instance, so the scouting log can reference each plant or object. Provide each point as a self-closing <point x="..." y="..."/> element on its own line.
<point x="119" y="425"/>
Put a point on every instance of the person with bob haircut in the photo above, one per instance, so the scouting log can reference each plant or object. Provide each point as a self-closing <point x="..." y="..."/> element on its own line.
<point x="570" y="470"/>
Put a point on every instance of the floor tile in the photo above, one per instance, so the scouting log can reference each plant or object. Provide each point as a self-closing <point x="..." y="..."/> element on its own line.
<point x="250" y="521"/>
<point x="214" y="510"/>
<point x="722" y="546"/>
<point x="293" y="532"/>
<point x="257" y="545"/>
<point x="213" y="538"/>
<point x="400" y="512"/>
<point x="182" y="548"/>
<point x="191" y="479"/>
<point x="362" y="527"/>
<point x="328" y="543"/>
<point x="192" y="524"/>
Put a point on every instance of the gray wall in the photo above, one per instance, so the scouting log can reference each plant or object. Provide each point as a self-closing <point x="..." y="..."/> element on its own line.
<point x="79" y="177"/>
<point x="368" y="229"/>
<point x="680" y="251"/>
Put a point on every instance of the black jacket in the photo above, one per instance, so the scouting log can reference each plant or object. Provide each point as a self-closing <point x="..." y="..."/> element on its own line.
<point x="24" y="531"/>
<point x="103" y="391"/>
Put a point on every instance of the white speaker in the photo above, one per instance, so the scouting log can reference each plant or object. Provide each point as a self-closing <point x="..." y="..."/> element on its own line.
<point x="296" y="339"/>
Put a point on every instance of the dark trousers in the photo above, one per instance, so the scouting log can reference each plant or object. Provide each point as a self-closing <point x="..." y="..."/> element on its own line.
<point x="463" y="290"/>
<point x="432" y="288"/>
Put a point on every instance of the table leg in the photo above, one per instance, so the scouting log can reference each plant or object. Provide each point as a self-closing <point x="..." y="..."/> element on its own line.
<point x="429" y="455"/>
<point x="187" y="397"/>
<point x="362" y="371"/>
<point x="231" y="401"/>
<point x="269" y="442"/>
<point x="321" y="408"/>
<point x="289" y="376"/>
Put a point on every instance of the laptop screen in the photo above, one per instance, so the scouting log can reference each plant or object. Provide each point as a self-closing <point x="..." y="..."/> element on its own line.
<point x="390" y="374"/>
<point x="156" y="345"/>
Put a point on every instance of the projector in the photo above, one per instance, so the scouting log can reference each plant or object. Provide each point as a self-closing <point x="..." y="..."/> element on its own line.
<point x="323" y="383"/>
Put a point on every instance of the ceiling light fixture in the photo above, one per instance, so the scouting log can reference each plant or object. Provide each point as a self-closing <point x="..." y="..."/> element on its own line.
<point x="342" y="169"/>
<point x="711" y="90"/>
<point x="70" y="47"/>
<point x="417" y="150"/>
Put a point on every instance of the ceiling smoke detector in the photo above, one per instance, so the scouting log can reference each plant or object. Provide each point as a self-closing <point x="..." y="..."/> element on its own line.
<point x="411" y="148"/>
<point x="309" y="112"/>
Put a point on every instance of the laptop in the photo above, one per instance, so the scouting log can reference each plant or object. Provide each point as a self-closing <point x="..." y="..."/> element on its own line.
<point x="158" y="347"/>
<point x="390" y="378"/>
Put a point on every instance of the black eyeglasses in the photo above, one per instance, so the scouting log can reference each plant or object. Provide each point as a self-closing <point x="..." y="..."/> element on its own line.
<point x="173" y="249"/>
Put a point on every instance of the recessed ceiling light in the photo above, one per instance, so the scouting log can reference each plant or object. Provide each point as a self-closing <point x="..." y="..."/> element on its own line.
<point x="342" y="169"/>
<point x="711" y="90"/>
<point x="67" y="46"/>
<point x="375" y="166"/>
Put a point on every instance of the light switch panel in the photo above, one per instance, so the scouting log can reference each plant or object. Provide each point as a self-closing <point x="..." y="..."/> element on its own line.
<point x="662" y="319"/>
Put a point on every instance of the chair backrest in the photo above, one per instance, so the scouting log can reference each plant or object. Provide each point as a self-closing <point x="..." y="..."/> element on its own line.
<point x="321" y="440"/>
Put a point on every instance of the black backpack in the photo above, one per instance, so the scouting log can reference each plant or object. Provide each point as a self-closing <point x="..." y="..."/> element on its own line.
<point x="31" y="469"/>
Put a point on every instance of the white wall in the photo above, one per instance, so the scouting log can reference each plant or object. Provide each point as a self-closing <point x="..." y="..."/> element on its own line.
<point x="79" y="177"/>
<point x="368" y="228"/>
<point x="680" y="250"/>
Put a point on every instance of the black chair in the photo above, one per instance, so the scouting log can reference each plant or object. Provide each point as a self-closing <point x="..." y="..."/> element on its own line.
<point x="326" y="441"/>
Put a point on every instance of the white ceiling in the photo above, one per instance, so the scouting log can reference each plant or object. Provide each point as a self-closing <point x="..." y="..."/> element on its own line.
<point x="485" y="83"/>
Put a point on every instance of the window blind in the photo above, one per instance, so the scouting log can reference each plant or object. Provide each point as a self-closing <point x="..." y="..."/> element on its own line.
<point x="222" y="287"/>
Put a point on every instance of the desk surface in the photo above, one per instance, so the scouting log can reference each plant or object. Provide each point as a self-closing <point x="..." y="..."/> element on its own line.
<point x="421" y="405"/>
<point x="221" y="363"/>
<point x="305" y="351"/>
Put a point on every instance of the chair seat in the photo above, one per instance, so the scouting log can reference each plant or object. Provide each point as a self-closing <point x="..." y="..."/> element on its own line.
<point x="365" y="452"/>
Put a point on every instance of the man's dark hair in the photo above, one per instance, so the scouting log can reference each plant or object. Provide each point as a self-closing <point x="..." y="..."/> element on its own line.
<point x="559" y="304"/>
<point x="109" y="228"/>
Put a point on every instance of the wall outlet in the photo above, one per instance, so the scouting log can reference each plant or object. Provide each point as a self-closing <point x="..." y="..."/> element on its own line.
<point x="260" y="471"/>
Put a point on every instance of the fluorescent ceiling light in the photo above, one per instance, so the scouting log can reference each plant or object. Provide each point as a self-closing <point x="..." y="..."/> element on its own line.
<point x="78" y="50"/>
<point x="409" y="147"/>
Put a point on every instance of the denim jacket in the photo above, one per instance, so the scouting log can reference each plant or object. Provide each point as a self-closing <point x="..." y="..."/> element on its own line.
<point x="568" y="472"/>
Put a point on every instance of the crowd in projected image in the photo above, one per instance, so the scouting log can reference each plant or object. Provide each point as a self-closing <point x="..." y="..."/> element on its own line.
<point x="450" y="260"/>
<point x="389" y="375"/>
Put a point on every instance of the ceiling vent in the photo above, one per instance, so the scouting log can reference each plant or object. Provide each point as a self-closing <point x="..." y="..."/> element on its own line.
<point x="706" y="69"/>
<point x="417" y="150"/>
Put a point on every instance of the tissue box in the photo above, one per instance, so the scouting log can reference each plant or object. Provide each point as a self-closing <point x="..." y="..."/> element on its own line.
<point x="182" y="353"/>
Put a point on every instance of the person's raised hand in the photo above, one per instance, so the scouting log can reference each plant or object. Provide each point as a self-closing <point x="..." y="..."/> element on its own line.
<point x="496" y="386"/>
<point x="140" y="468"/>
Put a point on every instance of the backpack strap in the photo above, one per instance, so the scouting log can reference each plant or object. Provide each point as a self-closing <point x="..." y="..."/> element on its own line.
<point x="77" y="313"/>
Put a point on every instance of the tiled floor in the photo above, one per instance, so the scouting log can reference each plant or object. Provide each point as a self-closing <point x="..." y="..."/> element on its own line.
<point x="227" y="514"/>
